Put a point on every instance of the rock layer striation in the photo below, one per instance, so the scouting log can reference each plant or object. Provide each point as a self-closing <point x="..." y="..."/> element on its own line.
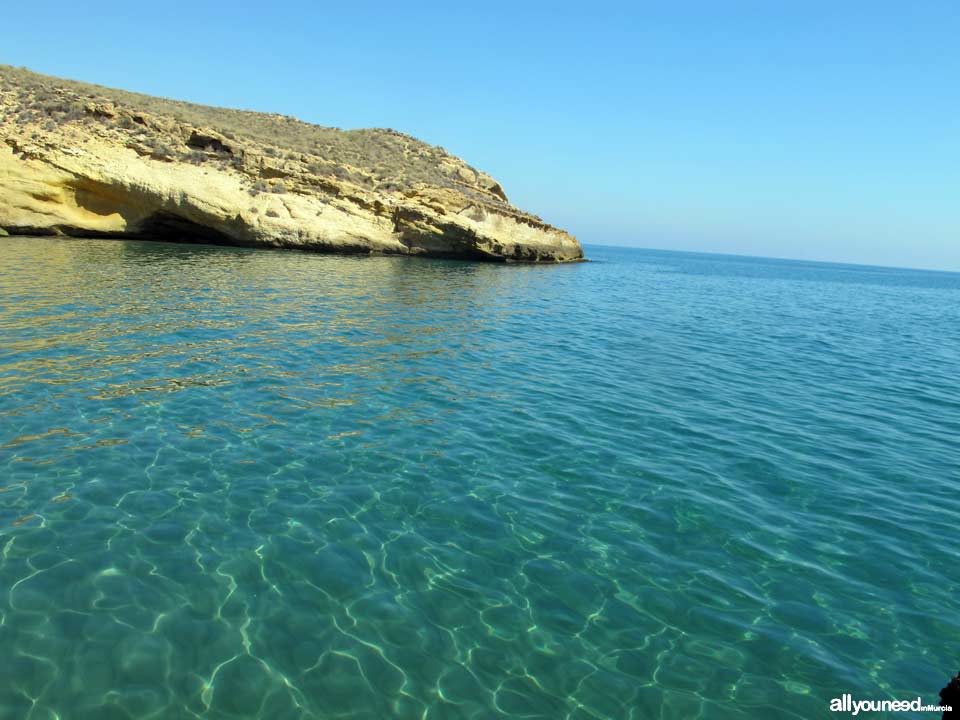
<point x="83" y="160"/>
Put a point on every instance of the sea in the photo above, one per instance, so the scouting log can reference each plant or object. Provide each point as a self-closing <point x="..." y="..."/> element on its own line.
<point x="241" y="483"/>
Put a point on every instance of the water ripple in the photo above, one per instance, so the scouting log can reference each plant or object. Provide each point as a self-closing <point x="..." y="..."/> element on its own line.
<point x="245" y="484"/>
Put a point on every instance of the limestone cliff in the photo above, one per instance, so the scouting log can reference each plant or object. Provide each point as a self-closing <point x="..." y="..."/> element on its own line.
<point x="83" y="160"/>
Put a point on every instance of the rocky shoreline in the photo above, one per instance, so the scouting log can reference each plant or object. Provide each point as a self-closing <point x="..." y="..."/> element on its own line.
<point x="86" y="161"/>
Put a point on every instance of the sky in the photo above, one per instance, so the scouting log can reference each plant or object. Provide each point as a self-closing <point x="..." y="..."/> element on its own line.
<point x="805" y="129"/>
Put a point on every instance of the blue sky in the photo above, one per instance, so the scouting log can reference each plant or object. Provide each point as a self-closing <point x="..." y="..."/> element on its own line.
<point x="807" y="129"/>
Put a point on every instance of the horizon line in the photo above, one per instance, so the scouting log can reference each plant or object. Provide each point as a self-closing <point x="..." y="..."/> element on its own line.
<point x="587" y="244"/>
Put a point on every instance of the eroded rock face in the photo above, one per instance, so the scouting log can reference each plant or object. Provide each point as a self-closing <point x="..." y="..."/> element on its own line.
<point x="75" y="163"/>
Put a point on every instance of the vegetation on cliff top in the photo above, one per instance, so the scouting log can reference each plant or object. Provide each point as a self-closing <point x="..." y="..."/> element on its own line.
<point x="379" y="159"/>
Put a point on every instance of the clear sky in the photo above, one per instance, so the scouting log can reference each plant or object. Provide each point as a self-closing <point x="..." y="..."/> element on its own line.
<point x="806" y="129"/>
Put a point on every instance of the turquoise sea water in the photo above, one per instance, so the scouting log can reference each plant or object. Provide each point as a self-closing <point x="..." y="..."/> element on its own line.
<point x="255" y="484"/>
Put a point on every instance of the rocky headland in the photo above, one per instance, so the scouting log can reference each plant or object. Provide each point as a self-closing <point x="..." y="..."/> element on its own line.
<point x="88" y="161"/>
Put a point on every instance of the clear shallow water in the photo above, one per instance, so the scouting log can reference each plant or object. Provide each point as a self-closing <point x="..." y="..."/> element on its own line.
<point x="253" y="484"/>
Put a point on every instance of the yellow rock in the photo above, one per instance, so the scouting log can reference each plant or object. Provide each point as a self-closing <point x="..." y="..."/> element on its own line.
<point x="126" y="165"/>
